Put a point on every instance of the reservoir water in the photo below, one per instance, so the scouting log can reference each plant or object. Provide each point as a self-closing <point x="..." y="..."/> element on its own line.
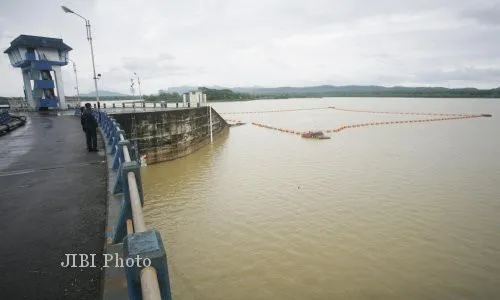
<point x="406" y="211"/>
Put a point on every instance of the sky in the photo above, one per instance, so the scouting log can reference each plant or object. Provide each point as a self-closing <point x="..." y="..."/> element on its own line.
<point x="270" y="43"/>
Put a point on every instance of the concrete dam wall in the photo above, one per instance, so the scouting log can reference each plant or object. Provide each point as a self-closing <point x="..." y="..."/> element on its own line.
<point x="171" y="134"/>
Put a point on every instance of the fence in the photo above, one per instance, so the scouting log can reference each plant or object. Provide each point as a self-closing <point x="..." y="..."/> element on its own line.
<point x="119" y="106"/>
<point x="9" y="122"/>
<point x="4" y="117"/>
<point x="140" y="245"/>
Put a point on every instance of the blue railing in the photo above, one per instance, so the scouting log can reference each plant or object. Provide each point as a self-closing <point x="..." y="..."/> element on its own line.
<point x="4" y="117"/>
<point x="9" y="122"/>
<point x="139" y="243"/>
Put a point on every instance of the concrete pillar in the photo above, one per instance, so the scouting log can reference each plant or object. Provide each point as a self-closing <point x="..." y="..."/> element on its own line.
<point x="205" y="99"/>
<point x="27" y="88"/>
<point x="60" y="86"/>
<point x="38" y="93"/>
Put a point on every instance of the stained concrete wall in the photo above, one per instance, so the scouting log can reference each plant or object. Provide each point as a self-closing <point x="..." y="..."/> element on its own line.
<point x="171" y="134"/>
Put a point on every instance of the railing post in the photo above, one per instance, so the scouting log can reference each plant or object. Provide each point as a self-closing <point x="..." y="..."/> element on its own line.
<point x="119" y="154"/>
<point x="114" y="139"/>
<point x="109" y="126"/>
<point x="112" y="131"/>
<point x="146" y="245"/>
<point x="101" y="115"/>
<point x="118" y="164"/>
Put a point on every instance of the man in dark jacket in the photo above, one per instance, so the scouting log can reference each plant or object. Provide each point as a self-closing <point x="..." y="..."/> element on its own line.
<point x="89" y="125"/>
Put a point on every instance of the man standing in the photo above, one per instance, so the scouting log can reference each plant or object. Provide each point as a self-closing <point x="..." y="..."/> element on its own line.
<point x="89" y="125"/>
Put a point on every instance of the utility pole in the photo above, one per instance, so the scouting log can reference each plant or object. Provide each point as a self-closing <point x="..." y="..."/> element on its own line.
<point x="76" y="78"/>
<point x="139" y="84"/>
<point x="132" y="90"/>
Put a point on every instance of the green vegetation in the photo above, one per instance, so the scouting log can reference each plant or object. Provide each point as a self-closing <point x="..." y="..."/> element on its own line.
<point x="370" y="91"/>
<point x="212" y="95"/>
<point x="242" y="94"/>
<point x="225" y="95"/>
<point x="164" y="96"/>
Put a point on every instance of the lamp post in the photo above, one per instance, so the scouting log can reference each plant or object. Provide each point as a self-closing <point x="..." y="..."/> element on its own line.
<point x="76" y="78"/>
<point x="132" y="89"/>
<point x="139" y="83"/>
<point x="89" y="38"/>
<point x="99" y="77"/>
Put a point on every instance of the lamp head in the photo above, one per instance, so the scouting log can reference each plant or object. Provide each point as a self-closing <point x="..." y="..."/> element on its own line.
<point x="67" y="10"/>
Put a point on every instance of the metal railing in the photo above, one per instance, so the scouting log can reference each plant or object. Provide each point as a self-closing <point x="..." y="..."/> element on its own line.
<point x="9" y="122"/>
<point x="146" y="282"/>
<point x="140" y="106"/>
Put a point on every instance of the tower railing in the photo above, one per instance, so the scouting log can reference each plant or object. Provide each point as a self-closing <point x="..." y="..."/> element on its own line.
<point x="144" y="281"/>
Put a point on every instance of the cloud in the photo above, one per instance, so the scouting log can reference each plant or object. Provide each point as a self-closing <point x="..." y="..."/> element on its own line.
<point x="488" y="16"/>
<point x="468" y="74"/>
<point x="266" y="43"/>
<point x="163" y="64"/>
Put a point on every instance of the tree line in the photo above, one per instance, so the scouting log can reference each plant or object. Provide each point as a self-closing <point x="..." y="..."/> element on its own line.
<point x="230" y="95"/>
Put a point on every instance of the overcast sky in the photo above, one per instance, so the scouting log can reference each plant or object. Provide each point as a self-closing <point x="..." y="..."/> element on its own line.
<point x="233" y="43"/>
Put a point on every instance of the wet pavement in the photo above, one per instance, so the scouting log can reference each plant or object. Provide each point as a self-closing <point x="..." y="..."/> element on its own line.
<point x="52" y="202"/>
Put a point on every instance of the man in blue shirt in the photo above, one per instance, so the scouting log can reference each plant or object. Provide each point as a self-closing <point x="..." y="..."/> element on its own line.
<point x="89" y="125"/>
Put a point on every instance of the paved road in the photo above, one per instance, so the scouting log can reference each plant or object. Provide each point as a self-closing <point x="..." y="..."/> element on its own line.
<point x="52" y="202"/>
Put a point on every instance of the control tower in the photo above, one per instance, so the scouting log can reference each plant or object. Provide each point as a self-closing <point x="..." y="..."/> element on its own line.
<point x="40" y="59"/>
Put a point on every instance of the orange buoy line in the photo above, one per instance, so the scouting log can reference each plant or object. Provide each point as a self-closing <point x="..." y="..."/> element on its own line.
<point x="272" y="111"/>
<point x="278" y="129"/>
<point x="341" y="128"/>
<point x="354" y="110"/>
<point x="404" y="113"/>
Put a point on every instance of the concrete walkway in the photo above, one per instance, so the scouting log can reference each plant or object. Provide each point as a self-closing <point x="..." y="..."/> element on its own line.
<point x="52" y="202"/>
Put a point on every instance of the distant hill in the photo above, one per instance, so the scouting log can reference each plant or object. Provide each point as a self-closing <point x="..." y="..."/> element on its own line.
<point x="351" y="90"/>
<point x="356" y="91"/>
<point x="105" y="94"/>
<point x="309" y="89"/>
<point x="185" y="88"/>
<point x="257" y="90"/>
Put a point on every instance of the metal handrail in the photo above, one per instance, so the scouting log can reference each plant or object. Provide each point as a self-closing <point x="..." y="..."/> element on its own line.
<point x="149" y="277"/>
<point x="150" y="286"/>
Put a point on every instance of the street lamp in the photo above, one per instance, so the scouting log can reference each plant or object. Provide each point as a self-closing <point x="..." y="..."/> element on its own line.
<point x="139" y="83"/>
<point x="132" y="89"/>
<point x="76" y="77"/>
<point x="99" y="77"/>
<point x="89" y="38"/>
